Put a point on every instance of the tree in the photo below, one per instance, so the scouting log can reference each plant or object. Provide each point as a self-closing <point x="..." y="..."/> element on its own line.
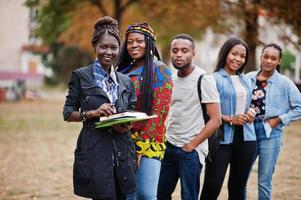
<point x="69" y="22"/>
<point x="244" y="13"/>
<point x="177" y="16"/>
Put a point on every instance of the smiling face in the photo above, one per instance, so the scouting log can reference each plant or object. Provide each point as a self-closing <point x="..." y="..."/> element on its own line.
<point x="182" y="53"/>
<point x="136" y="46"/>
<point x="235" y="59"/>
<point x="107" y="49"/>
<point x="270" y="59"/>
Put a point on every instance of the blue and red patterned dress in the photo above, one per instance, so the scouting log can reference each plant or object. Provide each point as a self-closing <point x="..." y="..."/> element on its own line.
<point x="149" y="136"/>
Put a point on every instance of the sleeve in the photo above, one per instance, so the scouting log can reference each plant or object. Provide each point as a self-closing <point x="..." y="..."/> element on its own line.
<point x="209" y="90"/>
<point x="294" y="98"/>
<point x="160" y="105"/>
<point x="132" y="97"/>
<point x="72" y="102"/>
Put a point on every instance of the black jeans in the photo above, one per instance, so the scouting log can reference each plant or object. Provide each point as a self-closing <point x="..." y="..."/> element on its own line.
<point x="241" y="156"/>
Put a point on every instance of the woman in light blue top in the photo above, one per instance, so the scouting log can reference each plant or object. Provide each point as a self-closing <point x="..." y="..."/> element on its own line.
<point x="277" y="101"/>
<point x="239" y="148"/>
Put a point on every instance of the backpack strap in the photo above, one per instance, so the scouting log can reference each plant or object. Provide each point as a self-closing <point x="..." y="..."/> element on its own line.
<point x="205" y="115"/>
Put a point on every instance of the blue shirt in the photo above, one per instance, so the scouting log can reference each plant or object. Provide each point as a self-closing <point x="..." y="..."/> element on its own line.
<point x="228" y="100"/>
<point x="107" y="82"/>
<point x="283" y="99"/>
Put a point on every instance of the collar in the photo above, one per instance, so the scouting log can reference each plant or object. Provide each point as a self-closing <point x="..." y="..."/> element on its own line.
<point x="225" y="74"/>
<point x="270" y="80"/>
<point x="98" y="69"/>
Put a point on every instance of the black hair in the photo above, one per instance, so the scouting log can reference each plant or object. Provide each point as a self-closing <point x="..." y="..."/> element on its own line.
<point x="105" y="25"/>
<point x="226" y="48"/>
<point x="185" y="36"/>
<point x="146" y="88"/>
<point x="275" y="46"/>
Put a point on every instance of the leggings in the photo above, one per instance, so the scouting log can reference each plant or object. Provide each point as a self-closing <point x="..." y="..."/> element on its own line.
<point x="241" y="156"/>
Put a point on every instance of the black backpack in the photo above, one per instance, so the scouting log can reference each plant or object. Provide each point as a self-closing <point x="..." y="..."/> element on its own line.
<point x="215" y="139"/>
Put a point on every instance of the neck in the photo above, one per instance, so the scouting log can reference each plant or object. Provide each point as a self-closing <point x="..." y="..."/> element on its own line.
<point x="185" y="71"/>
<point x="264" y="75"/>
<point x="230" y="72"/>
<point x="107" y="68"/>
<point x="139" y="62"/>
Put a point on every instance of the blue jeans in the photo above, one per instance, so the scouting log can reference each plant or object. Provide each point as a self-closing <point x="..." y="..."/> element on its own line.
<point x="268" y="151"/>
<point x="179" y="164"/>
<point x="147" y="177"/>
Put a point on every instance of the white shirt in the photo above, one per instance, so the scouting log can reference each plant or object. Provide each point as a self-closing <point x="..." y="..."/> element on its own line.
<point x="241" y="94"/>
<point x="185" y="120"/>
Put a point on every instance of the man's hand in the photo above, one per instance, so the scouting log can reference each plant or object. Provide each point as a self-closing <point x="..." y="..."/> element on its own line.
<point x="188" y="147"/>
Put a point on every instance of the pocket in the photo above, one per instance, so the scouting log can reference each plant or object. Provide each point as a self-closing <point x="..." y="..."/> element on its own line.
<point x="188" y="155"/>
<point x="83" y="165"/>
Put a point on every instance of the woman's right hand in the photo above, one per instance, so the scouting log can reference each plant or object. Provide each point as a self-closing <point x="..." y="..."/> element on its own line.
<point x="240" y="119"/>
<point x="105" y="109"/>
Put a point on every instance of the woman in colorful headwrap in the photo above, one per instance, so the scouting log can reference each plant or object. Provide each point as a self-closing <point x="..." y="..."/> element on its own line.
<point x="152" y="79"/>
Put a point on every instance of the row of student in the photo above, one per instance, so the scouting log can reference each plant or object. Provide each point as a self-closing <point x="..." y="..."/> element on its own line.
<point x="106" y="165"/>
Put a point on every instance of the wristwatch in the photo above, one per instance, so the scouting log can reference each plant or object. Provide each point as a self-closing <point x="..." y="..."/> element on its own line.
<point x="83" y="116"/>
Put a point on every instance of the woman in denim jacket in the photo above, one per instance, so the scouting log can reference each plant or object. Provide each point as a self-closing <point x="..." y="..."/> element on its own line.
<point x="239" y="145"/>
<point x="103" y="167"/>
<point x="277" y="101"/>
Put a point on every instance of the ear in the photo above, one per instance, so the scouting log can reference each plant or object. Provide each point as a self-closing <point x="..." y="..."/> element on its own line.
<point x="193" y="52"/>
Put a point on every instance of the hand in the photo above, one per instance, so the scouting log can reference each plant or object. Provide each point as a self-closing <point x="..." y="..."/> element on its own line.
<point x="240" y="119"/>
<point x="188" y="147"/>
<point x="105" y="109"/>
<point x="274" y="121"/>
<point x="122" y="128"/>
<point x="251" y="115"/>
<point x="138" y="159"/>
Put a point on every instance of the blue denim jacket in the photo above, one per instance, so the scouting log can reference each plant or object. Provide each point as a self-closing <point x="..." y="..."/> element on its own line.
<point x="283" y="99"/>
<point x="227" y="95"/>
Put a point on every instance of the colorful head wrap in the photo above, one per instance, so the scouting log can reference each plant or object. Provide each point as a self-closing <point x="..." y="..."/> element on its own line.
<point x="143" y="28"/>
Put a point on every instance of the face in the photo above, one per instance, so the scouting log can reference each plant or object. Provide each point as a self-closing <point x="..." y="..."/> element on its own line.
<point x="270" y="58"/>
<point x="136" y="46"/>
<point x="107" y="49"/>
<point x="236" y="58"/>
<point x="181" y="53"/>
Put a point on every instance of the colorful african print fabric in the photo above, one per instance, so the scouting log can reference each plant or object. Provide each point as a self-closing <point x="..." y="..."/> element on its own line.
<point x="149" y="136"/>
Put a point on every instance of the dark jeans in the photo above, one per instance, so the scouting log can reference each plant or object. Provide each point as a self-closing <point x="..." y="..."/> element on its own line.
<point x="241" y="156"/>
<point x="179" y="164"/>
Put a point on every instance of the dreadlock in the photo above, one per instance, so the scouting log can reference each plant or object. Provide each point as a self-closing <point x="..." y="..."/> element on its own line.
<point x="150" y="52"/>
<point x="105" y="25"/>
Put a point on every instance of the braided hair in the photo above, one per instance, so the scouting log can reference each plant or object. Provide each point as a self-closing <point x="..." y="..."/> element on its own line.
<point x="105" y="25"/>
<point x="277" y="47"/>
<point x="150" y="53"/>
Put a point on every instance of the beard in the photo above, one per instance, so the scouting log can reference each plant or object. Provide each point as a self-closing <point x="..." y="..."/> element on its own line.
<point x="182" y="67"/>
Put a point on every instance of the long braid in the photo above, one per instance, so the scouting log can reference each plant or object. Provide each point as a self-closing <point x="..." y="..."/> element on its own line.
<point x="147" y="81"/>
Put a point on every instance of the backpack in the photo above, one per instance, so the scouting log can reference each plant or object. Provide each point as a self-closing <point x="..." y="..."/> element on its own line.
<point x="215" y="139"/>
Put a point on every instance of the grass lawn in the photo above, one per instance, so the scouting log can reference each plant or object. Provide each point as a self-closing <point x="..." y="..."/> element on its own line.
<point x="36" y="153"/>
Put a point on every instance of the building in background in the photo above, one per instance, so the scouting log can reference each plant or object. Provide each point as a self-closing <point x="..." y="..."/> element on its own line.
<point x="21" y="67"/>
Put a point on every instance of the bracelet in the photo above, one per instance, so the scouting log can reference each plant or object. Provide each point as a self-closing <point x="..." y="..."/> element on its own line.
<point x="230" y="121"/>
<point x="83" y="116"/>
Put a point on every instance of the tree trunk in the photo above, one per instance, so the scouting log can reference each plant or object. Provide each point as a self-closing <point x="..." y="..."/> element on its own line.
<point x="250" y="33"/>
<point x="165" y="54"/>
<point x="118" y="11"/>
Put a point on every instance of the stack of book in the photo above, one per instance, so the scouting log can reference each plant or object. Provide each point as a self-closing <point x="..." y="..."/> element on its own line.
<point x="120" y="118"/>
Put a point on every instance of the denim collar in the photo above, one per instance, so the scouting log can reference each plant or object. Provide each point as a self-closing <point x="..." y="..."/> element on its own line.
<point x="272" y="79"/>
<point x="222" y="72"/>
